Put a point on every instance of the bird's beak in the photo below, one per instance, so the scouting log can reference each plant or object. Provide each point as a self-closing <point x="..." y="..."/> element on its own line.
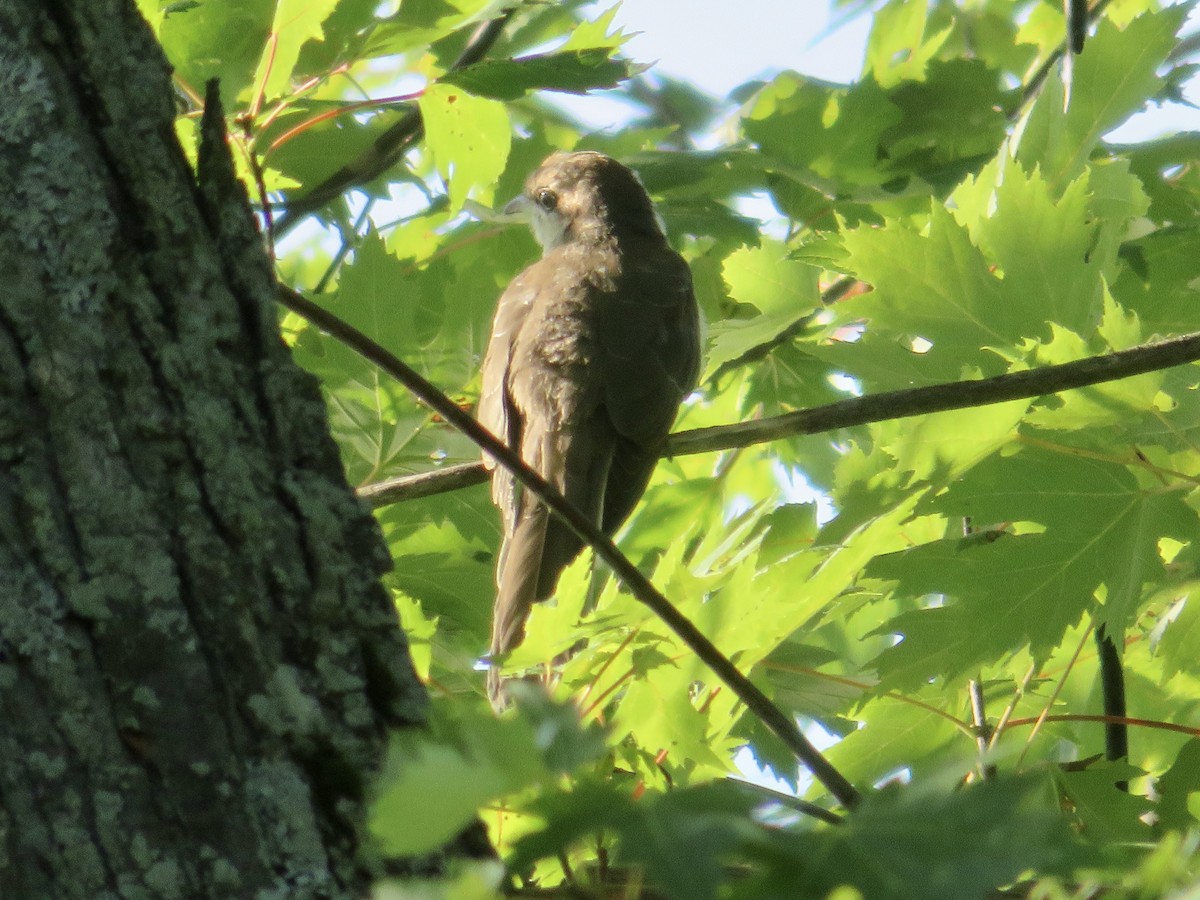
<point x="517" y="209"/>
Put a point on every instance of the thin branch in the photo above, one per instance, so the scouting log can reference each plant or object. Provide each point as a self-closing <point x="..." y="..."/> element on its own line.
<point x="1010" y="708"/>
<point x="349" y="239"/>
<point x="865" y="687"/>
<point x="1053" y="698"/>
<point x="780" y="724"/>
<point x="979" y="723"/>
<point x="424" y="484"/>
<point x="855" y="411"/>
<point x="1190" y="730"/>
<point x="789" y="800"/>
<point x="943" y="397"/>
<point x="387" y="149"/>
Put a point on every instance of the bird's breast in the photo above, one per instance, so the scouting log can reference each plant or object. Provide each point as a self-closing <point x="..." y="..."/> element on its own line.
<point x="555" y="366"/>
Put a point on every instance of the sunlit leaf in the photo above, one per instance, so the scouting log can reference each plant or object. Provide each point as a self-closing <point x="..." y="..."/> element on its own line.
<point x="469" y="137"/>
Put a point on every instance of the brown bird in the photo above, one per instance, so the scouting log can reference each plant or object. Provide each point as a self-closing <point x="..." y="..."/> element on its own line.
<point x="592" y="349"/>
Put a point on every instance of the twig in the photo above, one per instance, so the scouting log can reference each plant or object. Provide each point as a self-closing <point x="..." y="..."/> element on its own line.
<point x="980" y="724"/>
<point x="1044" y="715"/>
<point x="424" y="484"/>
<point x="865" y="686"/>
<point x="348" y="239"/>
<point x="790" y="801"/>
<point x="1191" y="730"/>
<point x="1010" y="707"/>
<point x="780" y="724"/>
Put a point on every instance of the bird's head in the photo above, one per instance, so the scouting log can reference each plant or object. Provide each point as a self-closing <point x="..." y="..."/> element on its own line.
<point x="585" y="196"/>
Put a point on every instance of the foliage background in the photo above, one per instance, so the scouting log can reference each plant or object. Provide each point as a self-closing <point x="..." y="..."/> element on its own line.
<point x="946" y="218"/>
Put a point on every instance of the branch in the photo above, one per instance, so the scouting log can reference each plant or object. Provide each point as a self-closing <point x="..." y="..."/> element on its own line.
<point x="856" y="411"/>
<point x="942" y="397"/>
<point x="789" y="800"/>
<point x="389" y="146"/>
<point x="424" y="484"/>
<point x="780" y="724"/>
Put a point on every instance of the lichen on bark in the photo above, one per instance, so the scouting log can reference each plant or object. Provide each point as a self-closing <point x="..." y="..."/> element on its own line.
<point x="198" y="665"/>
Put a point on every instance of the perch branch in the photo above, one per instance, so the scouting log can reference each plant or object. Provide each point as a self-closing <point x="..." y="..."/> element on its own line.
<point x="901" y="404"/>
<point x="779" y="723"/>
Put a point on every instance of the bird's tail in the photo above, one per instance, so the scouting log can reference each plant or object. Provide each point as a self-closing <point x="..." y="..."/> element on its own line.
<point x="517" y="579"/>
<point x="538" y="545"/>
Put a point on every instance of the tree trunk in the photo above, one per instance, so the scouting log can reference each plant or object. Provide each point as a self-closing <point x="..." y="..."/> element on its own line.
<point x="198" y="664"/>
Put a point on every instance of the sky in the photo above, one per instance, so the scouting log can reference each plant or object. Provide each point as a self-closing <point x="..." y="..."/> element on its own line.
<point x="718" y="45"/>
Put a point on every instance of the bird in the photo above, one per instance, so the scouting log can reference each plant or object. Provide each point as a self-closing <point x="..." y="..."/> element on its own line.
<point x="593" y="348"/>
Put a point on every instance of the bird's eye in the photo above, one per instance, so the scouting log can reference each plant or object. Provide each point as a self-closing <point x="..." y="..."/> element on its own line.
<point x="546" y="199"/>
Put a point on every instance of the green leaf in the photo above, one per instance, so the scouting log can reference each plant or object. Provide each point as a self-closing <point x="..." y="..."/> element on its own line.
<point x="1112" y="80"/>
<point x="831" y="132"/>
<point x="1155" y="164"/>
<point x="1159" y="280"/>
<point x="702" y="174"/>
<point x="469" y="137"/>
<point x="221" y="39"/>
<point x="782" y="290"/>
<point x="435" y="781"/>
<point x="420" y="23"/>
<point x="708" y="218"/>
<point x="1182" y="635"/>
<point x="766" y="278"/>
<point x="1043" y="244"/>
<point x="1177" y="789"/>
<point x="1105" y="523"/>
<point x="923" y="842"/>
<point x="294" y="24"/>
<point x="955" y="113"/>
<point x="1004" y="594"/>
<point x="679" y="839"/>
<point x="419" y="630"/>
<point x="897" y="49"/>
<point x="934" y="285"/>
<point x="571" y="71"/>
<point x="893" y="736"/>
<point x="596" y="34"/>
<point x="1103" y="811"/>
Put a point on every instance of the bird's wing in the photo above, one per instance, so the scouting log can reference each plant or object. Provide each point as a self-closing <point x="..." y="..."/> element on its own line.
<point x="649" y="338"/>
<point x="541" y="389"/>
<point x="495" y="405"/>
<point x="650" y="342"/>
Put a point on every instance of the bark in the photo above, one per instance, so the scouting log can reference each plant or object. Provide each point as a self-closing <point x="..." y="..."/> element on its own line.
<point x="198" y="664"/>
